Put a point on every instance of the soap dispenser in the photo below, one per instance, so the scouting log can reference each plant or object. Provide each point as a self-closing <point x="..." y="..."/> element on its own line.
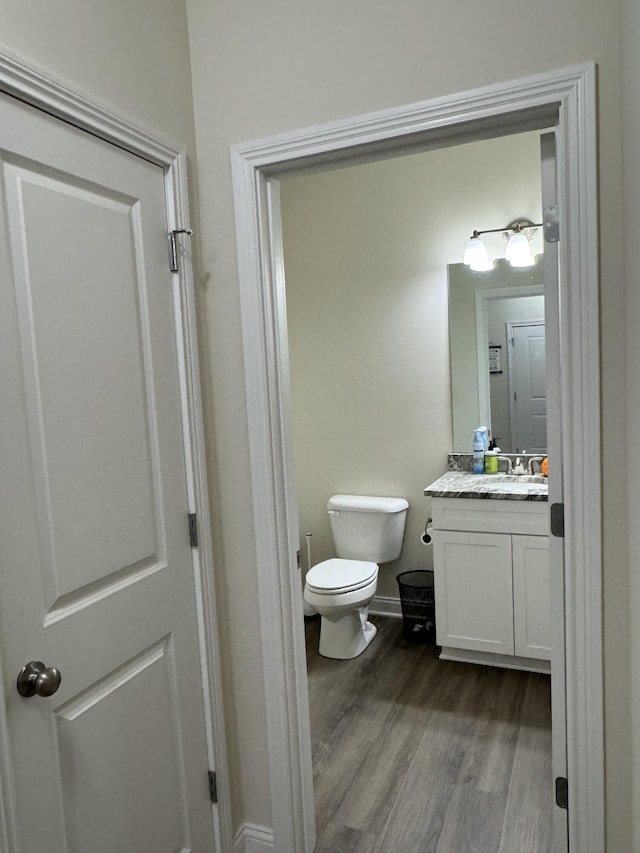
<point x="491" y="462"/>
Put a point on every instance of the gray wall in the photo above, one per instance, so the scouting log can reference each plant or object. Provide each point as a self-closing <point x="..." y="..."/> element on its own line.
<point x="275" y="66"/>
<point x="621" y="578"/>
<point x="132" y="56"/>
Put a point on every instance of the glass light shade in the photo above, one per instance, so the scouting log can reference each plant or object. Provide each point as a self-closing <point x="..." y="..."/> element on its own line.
<point x="476" y="256"/>
<point x="519" y="251"/>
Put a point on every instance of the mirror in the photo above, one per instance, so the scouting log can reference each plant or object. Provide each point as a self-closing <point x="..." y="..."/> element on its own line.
<point x="497" y="351"/>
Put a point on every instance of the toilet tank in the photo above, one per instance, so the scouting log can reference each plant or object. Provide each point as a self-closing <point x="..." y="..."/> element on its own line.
<point x="367" y="528"/>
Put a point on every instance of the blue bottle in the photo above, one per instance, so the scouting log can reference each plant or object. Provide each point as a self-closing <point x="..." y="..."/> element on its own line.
<point x="485" y="436"/>
<point x="478" y="452"/>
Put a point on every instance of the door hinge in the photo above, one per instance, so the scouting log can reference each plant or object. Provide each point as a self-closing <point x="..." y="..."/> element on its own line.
<point x="557" y="520"/>
<point x="193" y="529"/>
<point x="213" y="787"/>
<point x="562" y="792"/>
<point x="551" y="224"/>
<point x="173" y="247"/>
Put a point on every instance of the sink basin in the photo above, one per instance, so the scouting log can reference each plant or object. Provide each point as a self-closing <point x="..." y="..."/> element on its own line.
<point x="506" y="482"/>
<point x="492" y="484"/>
<point x="517" y="478"/>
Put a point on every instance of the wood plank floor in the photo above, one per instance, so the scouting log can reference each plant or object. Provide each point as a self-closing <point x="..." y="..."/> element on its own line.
<point x="416" y="755"/>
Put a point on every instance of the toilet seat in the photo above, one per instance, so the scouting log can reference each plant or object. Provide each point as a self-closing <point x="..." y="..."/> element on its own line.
<point x="337" y="576"/>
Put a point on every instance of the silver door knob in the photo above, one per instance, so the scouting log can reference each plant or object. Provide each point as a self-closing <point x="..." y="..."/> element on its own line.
<point x="36" y="679"/>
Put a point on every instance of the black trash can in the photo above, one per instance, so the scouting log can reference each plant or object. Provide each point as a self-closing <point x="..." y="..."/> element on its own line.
<point x="418" y="605"/>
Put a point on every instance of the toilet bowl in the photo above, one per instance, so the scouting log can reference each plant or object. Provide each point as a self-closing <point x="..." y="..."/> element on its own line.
<point x="341" y="591"/>
<point x="366" y="531"/>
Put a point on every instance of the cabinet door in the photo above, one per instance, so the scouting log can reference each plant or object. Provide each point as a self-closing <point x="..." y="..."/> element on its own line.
<point x="473" y="591"/>
<point x="531" y="596"/>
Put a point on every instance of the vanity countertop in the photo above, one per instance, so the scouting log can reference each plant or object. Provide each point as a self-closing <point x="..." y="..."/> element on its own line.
<point x="510" y="487"/>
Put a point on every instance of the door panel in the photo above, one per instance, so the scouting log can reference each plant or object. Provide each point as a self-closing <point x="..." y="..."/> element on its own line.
<point x="79" y="439"/>
<point x="531" y="618"/>
<point x="132" y="708"/>
<point x="473" y="589"/>
<point x="97" y="566"/>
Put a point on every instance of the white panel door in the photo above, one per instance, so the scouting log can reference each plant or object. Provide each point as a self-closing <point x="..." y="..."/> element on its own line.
<point x="531" y="616"/>
<point x="473" y="591"/>
<point x="97" y="577"/>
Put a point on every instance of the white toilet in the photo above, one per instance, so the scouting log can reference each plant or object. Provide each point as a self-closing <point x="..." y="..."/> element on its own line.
<point x="366" y="531"/>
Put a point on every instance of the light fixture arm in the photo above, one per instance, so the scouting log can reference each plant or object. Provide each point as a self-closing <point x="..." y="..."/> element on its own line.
<point x="516" y="227"/>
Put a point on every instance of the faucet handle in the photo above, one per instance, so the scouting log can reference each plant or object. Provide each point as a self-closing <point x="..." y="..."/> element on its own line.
<point x="508" y="461"/>
<point x="532" y="460"/>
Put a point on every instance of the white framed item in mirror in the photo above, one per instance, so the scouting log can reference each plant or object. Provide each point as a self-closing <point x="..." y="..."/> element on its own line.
<point x="495" y="358"/>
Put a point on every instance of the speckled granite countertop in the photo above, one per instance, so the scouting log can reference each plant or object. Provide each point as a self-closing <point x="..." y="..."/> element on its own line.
<point x="510" y="487"/>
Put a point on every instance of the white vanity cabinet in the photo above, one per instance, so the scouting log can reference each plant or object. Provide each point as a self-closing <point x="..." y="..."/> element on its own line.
<point x="491" y="576"/>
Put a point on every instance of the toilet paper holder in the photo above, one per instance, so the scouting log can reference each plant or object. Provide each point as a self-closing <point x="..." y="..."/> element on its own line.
<point x="426" y="535"/>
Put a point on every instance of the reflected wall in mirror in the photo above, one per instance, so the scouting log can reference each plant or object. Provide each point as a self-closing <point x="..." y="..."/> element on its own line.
<point x="496" y="338"/>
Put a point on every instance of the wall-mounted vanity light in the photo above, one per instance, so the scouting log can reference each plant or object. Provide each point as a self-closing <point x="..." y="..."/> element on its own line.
<point x="518" y="253"/>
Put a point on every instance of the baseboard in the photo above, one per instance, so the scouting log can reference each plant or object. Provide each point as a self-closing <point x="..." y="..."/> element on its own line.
<point x="491" y="659"/>
<point x="385" y="606"/>
<point x="253" y="839"/>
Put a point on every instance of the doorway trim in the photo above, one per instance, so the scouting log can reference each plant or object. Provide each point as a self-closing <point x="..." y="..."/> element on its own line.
<point x="43" y="93"/>
<point x="565" y="99"/>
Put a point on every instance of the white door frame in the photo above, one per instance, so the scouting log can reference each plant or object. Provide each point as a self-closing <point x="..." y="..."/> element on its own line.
<point x="45" y="94"/>
<point x="565" y="99"/>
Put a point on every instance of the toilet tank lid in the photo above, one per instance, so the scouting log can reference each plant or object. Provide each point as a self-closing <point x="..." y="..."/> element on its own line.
<point x="366" y="503"/>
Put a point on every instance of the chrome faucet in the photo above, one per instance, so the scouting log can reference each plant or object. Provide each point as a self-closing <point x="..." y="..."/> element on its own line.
<point x="533" y="459"/>
<point x="509" y="466"/>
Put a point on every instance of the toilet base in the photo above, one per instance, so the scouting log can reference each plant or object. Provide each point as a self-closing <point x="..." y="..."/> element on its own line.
<point x="347" y="637"/>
